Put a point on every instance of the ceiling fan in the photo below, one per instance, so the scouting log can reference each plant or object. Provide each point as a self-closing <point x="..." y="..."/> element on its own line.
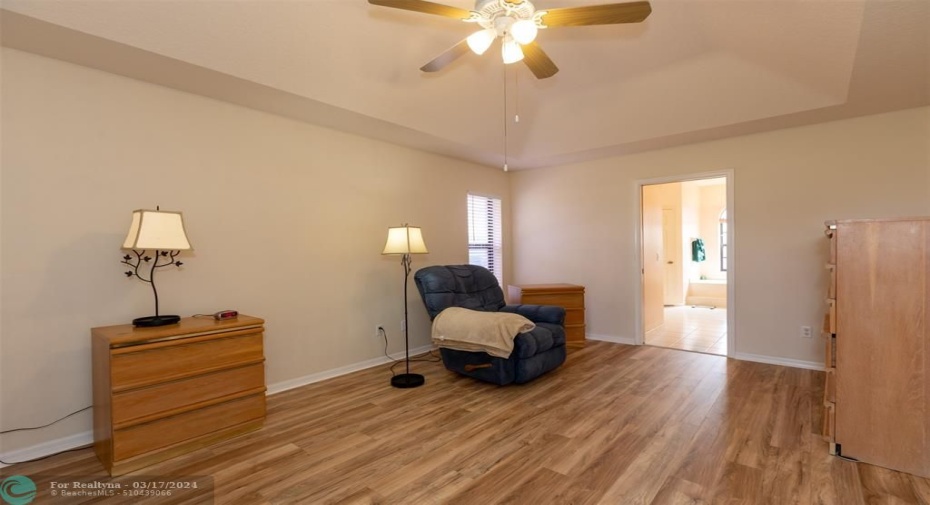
<point x="516" y="22"/>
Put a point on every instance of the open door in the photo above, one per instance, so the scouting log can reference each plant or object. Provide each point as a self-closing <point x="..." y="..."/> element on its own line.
<point x="671" y="256"/>
<point x="652" y="266"/>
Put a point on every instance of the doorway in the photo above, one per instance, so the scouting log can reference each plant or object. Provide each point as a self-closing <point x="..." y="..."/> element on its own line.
<point x="686" y="259"/>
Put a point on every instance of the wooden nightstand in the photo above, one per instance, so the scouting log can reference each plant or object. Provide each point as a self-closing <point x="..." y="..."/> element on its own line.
<point x="568" y="296"/>
<point x="164" y="391"/>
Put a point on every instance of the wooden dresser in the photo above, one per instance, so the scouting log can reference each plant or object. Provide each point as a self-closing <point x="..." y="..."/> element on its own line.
<point x="877" y="391"/>
<point x="568" y="296"/>
<point x="164" y="391"/>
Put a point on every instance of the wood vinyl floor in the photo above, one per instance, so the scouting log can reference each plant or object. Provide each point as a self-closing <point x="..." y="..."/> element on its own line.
<point x="615" y="425"/>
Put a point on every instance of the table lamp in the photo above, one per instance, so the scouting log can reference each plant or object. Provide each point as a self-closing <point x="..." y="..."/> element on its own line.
<point x="162" y="232"/>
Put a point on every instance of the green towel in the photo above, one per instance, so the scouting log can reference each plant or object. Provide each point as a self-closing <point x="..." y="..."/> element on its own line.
<point x="697" y="250"/>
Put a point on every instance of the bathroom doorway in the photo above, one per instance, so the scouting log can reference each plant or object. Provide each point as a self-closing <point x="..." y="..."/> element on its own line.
<point x="686" y="262"/>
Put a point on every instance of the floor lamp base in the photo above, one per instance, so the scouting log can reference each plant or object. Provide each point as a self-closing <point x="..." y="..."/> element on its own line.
<point x="407" y="380"/>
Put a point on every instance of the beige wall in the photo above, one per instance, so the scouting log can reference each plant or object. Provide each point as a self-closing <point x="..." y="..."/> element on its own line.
<point x="287" y="221"/>
<point x="713" y="199"/>
<point x="690" y="227"/>
<point x="577" y="223"/>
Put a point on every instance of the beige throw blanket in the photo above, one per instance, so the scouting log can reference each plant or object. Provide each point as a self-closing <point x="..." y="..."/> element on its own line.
<point x="473" y="330"/>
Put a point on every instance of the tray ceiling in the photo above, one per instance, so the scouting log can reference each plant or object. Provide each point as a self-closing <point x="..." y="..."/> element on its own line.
<point x="694" y="70"/>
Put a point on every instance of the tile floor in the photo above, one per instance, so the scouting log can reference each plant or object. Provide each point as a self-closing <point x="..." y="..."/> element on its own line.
<point x="692" y="329"/>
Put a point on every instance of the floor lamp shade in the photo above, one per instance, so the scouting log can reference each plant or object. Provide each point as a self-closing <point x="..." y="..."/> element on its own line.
<point x="161" y="232"/>
<point x="406" y="240"/>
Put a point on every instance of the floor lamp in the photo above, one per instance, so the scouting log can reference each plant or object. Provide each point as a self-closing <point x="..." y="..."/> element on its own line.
<point x="406" y="240"/>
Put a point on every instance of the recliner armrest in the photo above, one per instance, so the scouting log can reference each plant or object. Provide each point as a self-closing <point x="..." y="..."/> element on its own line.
<point x="538" y="313"/>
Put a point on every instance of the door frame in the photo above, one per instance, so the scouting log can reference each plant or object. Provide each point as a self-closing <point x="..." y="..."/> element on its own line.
<point x="639" y="338"/>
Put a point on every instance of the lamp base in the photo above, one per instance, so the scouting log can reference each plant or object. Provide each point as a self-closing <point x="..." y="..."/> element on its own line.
<point x="408" y="380"/>
<point x="148" y="321"/>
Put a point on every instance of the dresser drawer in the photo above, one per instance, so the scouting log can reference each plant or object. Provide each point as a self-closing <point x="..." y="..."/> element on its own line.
<point x="831" y="319"/>
<point x="831" y="288"/>
<point x="574" y="316"/>
<point x="830" y="351"/>
<point x="148" y="364"/>
<point x="574" y="333"/>
<point x="829" y="387"/>
<point x="171" y="430"/>
<point x="829" y="421"/>
<point x="140" y="405"/>
<point x="566" y="300"/>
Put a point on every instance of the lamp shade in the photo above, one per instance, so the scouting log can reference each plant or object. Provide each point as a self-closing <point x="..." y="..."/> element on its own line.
<point x="405" y="240"/>
<point x="524" y="31"/>
<point x="510" y="51"/>
<point x="157" y="229"/>
<point x="480" y="41"/>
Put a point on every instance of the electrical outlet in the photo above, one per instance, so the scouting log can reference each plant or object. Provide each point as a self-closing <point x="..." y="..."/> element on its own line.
<point x="379" y="330"/>
<point x="806" y="332"/>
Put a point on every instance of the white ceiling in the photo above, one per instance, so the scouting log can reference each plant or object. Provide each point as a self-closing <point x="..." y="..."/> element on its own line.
<point x="694" y="70"/>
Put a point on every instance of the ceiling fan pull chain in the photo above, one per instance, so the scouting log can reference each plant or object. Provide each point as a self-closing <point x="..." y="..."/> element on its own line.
<point x="516" y="97"/>
<point x="505" y="118"/>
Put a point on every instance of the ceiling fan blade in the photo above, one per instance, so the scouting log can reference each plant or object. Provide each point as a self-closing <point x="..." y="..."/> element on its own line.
<point x="425" y="7"/>
<point x="538" y="61"/>
<point x="609" y="14"/>
<point x="447" y="57"/>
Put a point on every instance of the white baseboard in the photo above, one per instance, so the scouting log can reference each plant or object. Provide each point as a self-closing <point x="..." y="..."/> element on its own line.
<point x="706" y="301"/>
<point x="87" y="437"/>
<point x="757" y="358"/>
<point x="772" y="360"/>
<point x="279" y="387"/>
<point x="46" y="448"/>
<point x="611" y="338"/>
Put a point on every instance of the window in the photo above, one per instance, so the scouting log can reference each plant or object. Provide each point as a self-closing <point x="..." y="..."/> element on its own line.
<point x="484" y="234"/>
<point x="723" y="240"/>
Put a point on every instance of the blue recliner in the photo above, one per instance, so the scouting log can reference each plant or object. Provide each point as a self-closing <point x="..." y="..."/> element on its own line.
<point x="474" y="287"/>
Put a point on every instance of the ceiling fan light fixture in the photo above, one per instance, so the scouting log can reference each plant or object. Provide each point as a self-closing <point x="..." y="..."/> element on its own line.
<point x="480" y="41"/>
<point x="518" y="22"/>
<point x="524" y="31"/>
<point x="511" y="51"/>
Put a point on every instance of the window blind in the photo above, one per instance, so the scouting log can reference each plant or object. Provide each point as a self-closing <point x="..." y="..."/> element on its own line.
<point x="484" y="234"/>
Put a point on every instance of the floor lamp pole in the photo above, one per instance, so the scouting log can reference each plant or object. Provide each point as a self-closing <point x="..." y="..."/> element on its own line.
<point x="407" y="380"/>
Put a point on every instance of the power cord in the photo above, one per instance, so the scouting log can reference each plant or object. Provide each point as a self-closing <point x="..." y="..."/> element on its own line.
<point x="31" y="428"/>
<point x="434" y="358"/>
<point x="46" y="425"/>
<point x="419" y="357"/>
